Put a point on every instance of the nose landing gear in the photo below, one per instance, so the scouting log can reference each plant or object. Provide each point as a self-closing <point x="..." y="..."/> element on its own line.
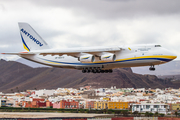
<point x="152" y="68"/>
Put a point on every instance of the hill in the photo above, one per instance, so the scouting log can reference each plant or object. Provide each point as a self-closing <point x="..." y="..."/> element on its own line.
<point x="15" y="76"/>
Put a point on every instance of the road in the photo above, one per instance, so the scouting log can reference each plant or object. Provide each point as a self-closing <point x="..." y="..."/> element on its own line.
<point x="45" y="115"/>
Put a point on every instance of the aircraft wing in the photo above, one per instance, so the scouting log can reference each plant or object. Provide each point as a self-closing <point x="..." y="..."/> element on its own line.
<point x="71" y="52"/>
<point x="77" y="53"/>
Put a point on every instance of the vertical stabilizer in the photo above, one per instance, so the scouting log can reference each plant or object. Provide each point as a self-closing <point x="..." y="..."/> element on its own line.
<point x="31" y="39"/>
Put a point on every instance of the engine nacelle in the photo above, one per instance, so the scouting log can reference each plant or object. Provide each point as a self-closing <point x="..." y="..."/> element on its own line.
<point x="87" y="58"/>
<point x="108" y="57"/>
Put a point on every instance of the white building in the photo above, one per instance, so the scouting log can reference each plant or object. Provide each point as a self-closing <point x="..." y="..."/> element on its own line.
<point x="43" y="93"/>
<point x="151" y="108"/>
<point x="2" y="102"/>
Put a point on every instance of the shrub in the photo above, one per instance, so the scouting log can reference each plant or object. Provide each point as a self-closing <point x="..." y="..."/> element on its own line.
<point x="162" y="115"/>
<point x="135" y="113"/>
<point x="147" y="114"/>
<point x="151" y="114"/>
<point x="156" y="114"/>
<point x="109" y="112"/>
<point x="81" y="110"/>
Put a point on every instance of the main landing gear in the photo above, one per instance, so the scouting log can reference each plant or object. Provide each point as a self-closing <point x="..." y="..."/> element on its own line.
<point x="96" y="70"/>
<point x="152" y="68"/>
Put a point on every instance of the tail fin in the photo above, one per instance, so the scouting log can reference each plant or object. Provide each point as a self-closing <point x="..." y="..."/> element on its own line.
<point x="30" y="38"/>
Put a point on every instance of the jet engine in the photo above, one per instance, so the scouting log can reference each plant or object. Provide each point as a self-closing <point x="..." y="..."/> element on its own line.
<point x="87" y="58"/>
<point x="108" y="57"/>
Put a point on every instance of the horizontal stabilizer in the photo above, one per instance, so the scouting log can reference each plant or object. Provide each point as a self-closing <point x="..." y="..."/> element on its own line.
<point x="20" y="53"/>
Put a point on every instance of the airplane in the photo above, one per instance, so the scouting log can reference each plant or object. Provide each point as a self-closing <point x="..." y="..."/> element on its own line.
<point x="90" y="59"/>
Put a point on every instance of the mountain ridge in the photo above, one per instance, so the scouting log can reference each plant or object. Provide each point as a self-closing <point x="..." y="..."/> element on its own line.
<point x="15" y="76"/>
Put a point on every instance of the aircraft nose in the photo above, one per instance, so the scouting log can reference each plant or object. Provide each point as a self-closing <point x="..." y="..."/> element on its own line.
<point x="173" y="56"/>
<point x="170" y="54"/>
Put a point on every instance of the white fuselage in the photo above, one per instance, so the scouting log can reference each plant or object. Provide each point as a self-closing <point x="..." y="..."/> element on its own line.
<point x="128" y="56"/>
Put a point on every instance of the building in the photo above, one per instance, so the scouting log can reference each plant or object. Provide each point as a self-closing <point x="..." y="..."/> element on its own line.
<point x="150" y="107"/>
<point x="44" y="92"/>
<point x="56" y="105"/>
<point x="38" y="99"/>
<point x="66" y="104"/>
<point x="35" y="103"/>
<point x="175" y="107"/>
<point x="2" y="103"/>
<point x="101" y="105"/>
<point x="118" y="105"/>
<point x="111" y="105"/>
<point x="89" y="104"/>
<point x="49" y="104"/>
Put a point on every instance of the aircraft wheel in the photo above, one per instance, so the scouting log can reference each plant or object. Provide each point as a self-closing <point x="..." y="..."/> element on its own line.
<point x="94" y="70"/>
<point x="88" y="71"/>
<point x="98" y="71"/>
<point x="102" y="71"/>
<point x="110" y="71"/>
<point x="83" y="71"/>
<point x="152" y="69"/>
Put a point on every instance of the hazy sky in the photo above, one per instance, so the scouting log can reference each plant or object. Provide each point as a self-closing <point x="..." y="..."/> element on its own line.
<point x="77" y="23"/>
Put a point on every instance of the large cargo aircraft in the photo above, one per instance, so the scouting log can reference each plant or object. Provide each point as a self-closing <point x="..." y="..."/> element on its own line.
<point x="91" y="59"/>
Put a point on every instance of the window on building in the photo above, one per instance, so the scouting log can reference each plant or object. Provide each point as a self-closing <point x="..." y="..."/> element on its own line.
<point x="156" y="106"/>
<point x="147" y="106"/>
<point x="144" y="106"/>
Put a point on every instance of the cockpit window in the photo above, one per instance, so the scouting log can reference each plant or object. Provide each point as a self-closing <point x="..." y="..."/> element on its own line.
<point x="157" y="45"/>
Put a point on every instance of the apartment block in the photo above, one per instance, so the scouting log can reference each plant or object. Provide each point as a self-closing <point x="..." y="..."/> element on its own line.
<point x="175" y="106"/>
<point x="118" y="105"/>
<point x="66" y="104"/>
<point x="150" y="107"/>
<point x="89" y="104"/>
<point x="101" y="105"/>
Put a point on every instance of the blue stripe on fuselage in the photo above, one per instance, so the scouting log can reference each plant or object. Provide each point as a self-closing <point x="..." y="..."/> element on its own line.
<point x="79" y="63"/>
